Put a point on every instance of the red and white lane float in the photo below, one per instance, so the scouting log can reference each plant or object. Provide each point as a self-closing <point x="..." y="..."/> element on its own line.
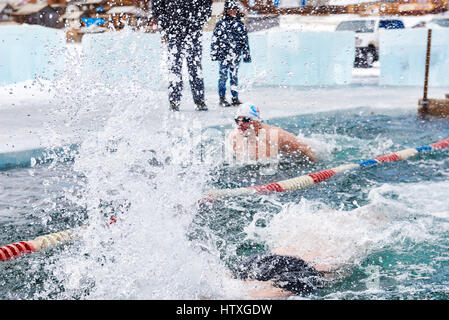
<point x="16" y="249"/>
<point x="313" y="178"/>
<point x="46" y="241"/>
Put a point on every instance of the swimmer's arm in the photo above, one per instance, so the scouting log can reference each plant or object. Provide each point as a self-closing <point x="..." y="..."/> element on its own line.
<point x="290" y="144"/>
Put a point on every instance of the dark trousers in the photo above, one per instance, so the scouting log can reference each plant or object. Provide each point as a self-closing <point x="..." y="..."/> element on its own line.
<point x="190" y="47"/>
<point x="231" y="68"/>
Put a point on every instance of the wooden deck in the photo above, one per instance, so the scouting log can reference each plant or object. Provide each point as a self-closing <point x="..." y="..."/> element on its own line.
<point x="435" y="107"/>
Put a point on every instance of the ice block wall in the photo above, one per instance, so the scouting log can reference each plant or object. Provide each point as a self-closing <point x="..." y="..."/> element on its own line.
<point x="291" y="58"/>
<point x="278" y="58"/>
<point x="28" y="52"/>
<point x="402" y="57"/>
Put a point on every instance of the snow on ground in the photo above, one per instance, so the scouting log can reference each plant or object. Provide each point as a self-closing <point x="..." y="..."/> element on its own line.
<point x="25" y="110"/>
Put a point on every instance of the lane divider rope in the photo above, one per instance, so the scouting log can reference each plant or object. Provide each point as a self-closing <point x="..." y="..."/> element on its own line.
<point x="42" y="242"/>
<point x="313" y="178"/>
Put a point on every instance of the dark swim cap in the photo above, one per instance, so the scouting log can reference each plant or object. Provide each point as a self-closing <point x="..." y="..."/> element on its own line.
<point x="286" y="272"/>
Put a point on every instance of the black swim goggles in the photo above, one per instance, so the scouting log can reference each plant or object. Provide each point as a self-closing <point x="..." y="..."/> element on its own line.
<point x="244" y="120"/>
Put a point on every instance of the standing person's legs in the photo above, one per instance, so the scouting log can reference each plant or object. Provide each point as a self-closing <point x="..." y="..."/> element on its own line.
<point x="194" y="52"/>
<point x="175" y="57"/>
<point x="234" y="81"/>
<point x="223" y="77"/>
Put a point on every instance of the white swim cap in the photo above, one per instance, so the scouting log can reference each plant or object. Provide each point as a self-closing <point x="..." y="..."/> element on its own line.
<point x="248" y="110"/>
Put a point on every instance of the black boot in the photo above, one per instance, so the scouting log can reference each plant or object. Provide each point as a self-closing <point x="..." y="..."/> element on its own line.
<point x="224" y="103"/>
<point x="236" y="102"/>
<point x="174" y="106"/>
<point x="201" y="106"/>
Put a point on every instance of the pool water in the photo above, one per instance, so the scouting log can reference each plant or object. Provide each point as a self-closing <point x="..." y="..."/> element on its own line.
<point x="387" y="224"/>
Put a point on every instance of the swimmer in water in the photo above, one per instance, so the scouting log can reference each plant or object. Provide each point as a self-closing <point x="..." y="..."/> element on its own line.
<point x="271" y="275"/>
<point x="254" y="140"/>
<point x="279" y="274"/>
<point x="285" y="272"/>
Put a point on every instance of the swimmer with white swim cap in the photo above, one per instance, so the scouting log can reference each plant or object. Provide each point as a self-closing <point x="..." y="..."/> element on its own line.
<point x="260" y="141"/>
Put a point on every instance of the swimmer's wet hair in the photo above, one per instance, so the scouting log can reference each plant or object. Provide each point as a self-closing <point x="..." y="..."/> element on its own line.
<point x="286" y="272"/>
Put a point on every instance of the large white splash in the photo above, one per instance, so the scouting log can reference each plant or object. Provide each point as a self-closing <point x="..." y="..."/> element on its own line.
<point x="142" y="165"/>
<point x="146" y="174"/>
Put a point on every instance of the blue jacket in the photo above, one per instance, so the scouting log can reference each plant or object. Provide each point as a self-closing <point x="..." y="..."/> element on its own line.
<point x="230" y="40"/>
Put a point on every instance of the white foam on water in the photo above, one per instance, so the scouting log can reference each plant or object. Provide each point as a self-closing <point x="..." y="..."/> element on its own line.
<point x="326" y="145"/>
<point x="320" y="234"/>
<point x="397" y="214"/>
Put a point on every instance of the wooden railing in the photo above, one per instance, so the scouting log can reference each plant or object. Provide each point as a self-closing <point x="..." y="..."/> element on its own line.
<point x="374" y="8"/>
